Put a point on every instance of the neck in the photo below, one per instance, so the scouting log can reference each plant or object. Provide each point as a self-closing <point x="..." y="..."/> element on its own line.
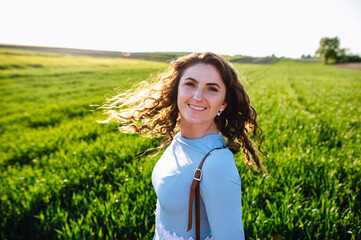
<point x="194" y="131"/>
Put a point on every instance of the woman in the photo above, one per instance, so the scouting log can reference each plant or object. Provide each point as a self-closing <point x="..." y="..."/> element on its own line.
<point x="195" y="105"/>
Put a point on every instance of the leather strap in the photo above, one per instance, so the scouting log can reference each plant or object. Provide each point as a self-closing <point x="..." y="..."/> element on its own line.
<point x="195" y="191"/>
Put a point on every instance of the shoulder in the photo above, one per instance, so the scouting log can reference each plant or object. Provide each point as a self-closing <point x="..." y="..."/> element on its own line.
<point x="221" y="159"/>
<point x="220" y="166"/>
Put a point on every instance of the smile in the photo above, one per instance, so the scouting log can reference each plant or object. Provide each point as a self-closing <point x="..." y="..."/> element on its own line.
<point x="196" y="108"/>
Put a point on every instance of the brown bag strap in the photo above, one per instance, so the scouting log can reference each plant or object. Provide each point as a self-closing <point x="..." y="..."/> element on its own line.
<point x="195" y="191"/>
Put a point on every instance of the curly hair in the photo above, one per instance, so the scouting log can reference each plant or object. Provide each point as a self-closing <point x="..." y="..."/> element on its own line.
<point x="151" y="109"/>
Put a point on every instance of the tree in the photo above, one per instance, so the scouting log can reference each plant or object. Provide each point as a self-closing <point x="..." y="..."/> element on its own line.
<point x="329" y="48"/>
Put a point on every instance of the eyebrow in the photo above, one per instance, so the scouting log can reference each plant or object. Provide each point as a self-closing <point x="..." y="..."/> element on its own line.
<point x="208" y="84"/>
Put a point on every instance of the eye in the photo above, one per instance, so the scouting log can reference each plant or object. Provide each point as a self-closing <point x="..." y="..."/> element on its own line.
<point x="190" y="84"/>
<point x="213" y="89"/>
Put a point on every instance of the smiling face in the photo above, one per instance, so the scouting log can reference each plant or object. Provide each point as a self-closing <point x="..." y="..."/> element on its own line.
<point x="201" y="94"/>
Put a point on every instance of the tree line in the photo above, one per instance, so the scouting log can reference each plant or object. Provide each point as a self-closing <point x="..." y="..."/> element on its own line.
<point x="330" y="49"/>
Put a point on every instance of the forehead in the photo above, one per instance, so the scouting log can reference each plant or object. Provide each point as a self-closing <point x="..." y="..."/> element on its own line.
<point x="202" y="73"/>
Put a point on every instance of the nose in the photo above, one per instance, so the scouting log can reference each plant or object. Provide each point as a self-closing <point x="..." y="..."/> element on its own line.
<point x="198" y="95"/>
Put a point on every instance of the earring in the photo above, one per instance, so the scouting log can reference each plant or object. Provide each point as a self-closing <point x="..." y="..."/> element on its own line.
<point x="219" y="113"/>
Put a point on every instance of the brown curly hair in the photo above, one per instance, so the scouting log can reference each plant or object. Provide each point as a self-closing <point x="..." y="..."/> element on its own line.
<point x="152" y="110"/>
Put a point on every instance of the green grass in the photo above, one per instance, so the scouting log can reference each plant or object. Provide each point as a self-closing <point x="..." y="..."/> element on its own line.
<point x="64" y="176"/>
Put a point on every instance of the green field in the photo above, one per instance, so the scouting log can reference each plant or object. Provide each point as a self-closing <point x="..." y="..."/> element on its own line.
<point x="64" y="176"/>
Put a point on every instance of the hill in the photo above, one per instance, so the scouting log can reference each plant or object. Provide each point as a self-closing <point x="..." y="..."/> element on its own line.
<point x="152" y="56"/>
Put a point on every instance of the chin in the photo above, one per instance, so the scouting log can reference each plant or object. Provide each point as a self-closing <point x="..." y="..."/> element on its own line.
<point x="195" y="120"/>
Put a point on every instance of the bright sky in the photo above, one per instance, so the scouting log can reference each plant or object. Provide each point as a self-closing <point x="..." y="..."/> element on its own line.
<point x="287" y="28"/>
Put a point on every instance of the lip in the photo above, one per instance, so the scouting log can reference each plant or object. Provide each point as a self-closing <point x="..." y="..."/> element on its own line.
<point x="196" y="108"/>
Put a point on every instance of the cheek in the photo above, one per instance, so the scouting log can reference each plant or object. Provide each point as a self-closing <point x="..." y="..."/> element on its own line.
<point x="179" y="96"/>
<point x="183" y="95"/>
<point x="180" y="99"/>
<point x="216" y="101"/>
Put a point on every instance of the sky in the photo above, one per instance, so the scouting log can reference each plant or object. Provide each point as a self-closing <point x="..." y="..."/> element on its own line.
<point x="258" y="28"/>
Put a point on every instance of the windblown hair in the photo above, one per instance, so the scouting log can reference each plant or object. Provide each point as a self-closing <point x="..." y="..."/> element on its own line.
<point x="151" y="109"/>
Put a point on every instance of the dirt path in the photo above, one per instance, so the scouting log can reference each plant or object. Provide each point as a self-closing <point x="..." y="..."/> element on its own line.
<point x="349" y="66"/>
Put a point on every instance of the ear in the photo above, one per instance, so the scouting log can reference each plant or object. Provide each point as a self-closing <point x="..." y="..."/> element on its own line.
<point x="224" y="105"/>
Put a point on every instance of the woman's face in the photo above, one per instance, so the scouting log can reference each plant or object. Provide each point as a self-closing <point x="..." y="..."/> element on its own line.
<point x="201" y="94"/>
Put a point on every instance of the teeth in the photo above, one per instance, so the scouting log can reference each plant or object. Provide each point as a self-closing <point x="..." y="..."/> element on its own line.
<point x="197" y="108"/>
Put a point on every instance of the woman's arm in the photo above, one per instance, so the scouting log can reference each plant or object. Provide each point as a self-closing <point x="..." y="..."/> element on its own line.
<point x="220" y="190"/>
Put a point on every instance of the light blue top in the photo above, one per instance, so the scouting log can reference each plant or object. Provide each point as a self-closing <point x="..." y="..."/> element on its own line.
<point x="220" y="190"/>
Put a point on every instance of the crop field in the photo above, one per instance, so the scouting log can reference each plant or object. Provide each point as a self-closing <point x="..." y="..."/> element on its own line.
<point x="65" y="176"/>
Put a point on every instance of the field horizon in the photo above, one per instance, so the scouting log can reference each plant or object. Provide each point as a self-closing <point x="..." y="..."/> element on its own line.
<point x="151" y="56"/>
